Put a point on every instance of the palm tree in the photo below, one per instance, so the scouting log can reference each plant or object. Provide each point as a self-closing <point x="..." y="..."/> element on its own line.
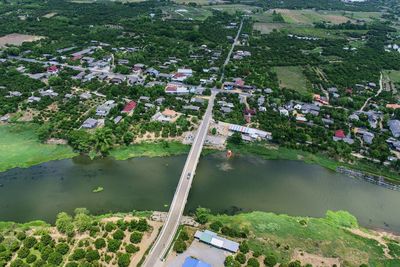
<point x="103" y="139"/>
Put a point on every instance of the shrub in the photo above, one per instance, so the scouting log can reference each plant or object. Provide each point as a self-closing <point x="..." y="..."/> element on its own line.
<point x="30" y="241"/>
<point x="64" y="223"/>
<point x="131" y="249"/>
<point x="62" y="248"/>
<point x="100" y="243"/>
<point x="122" y="225"/>
<point x="231" y="262"/>
<point x="201" y="215"/>
<point x="2" y="248"/>
<point x="55" y="258"/>
<point x="113" y="245"/>
<point x="136" y="237"/>
<point x="295" y="264"/>
<point x="253" y="262"/>
<point x="92" y="255"/>
<point x="119" y="234"/>
<point x="45" y="253"/>
<point x="1" y="238"/>
<point x="179" y="246"/>
<point x="240" y="257"/>
<point x="23" y="252"/>
<point x="31" y="258"/>
<point x="124" y="260"/>
<point x="18" y="263"/>
<point x="46" y="239"/>
<point x="183" y="235"/>
<point x="142" y="225"/>
<point x="39" y="263"/>
<point x="71" y="264"/>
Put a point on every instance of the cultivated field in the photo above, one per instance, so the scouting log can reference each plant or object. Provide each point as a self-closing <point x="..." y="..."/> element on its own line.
<point x="18" y="39"/>
<point x="266" y="28"/>
<point x="186" y="12"/>
<point x="308" y="16"/>
<point x="292" y="77"/>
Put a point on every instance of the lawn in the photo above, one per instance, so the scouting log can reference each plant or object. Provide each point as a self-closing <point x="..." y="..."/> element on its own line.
<point x="20" y="147"/>
<point x="329" y="236"/>
<point x="394" y="75"/>
<point x="161" y="149"/>
<point x="292" y="77"/>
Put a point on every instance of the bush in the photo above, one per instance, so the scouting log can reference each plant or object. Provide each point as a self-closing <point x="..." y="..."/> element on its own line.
<point x="183" y="235"/>
<point x="113" y="245"/>
<point x="119" y="234"/>
<point x="243" y="247"/>
<point x="21" y="235"/>
<point x="136" y="237"/>
<point x="241" y="258"/>
<point x="29" y="242"/>
<point x="1" y="238"/>
<point x="71" y="264"/>
<point x="64" y="223"/>
<point x="92" y="255"/>
<point x="122" y="225"/>
<point x="23" y="252"/>
<point x="45" y="253"/>
<point x="55" y="258"/>
<point x="18" y="263"/>
<point x="46" y="239"/>
<point x="100" y="243"/>
<point x="39" y="263"/>
<point x="295" y="264"/>
<point x="201" y="215"/>
<point x="124" y="260"/>
<point x="179" y="246"/>
<point x="131" y="249"/>
<point x="216" y="226"/>
<point x="253" y="262"/>
<point x="231" y="262"/>
<point x="31" y="258"/>
<point x="142" y="225"/>
<point x="270" y="260"/>
<point x="2" y="248"/>
<point x="78" y="254"/>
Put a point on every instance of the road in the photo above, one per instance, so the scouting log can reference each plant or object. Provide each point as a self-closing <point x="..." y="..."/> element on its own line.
<point x="165" y="238"/>
<point x="376" y="95"/>
<point x="228" y="58"/>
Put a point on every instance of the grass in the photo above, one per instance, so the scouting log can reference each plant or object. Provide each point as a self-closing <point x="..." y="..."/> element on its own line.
<point x="186" y="12"/>
<point x="282" y="234"/>
<point x="20" y="147"/>
<point x="231" y="9"/>
<point x="394" y="75"/>
<point x="292" y="77"/>
<point x="161" y="149"/>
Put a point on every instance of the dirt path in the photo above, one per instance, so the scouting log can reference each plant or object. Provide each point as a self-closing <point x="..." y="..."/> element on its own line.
<point x="379" y="238"/>
<point x="376" y="95"/>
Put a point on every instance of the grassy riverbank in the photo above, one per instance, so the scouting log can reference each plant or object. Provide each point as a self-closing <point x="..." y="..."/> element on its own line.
<point x="20" y="147"/>
<point x="161" y="149"/>
<point x="270" y="152"/>
<point x="335" y="237"/>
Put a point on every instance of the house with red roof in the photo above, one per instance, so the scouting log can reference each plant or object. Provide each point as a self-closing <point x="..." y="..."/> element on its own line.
<point x="129" y="107"/>
<point x="52" y="69"/>
<point x="340" y="134"/>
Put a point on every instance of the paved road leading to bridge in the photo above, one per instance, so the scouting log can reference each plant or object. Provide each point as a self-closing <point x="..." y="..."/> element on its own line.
<point x="165" y="238"/>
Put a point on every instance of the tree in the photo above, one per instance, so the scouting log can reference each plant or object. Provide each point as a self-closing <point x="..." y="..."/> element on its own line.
<point x="216" y="226"/>
<point x="64" y="223"/>
<point x="46" y="239"/>
<point x="235" y="139"/>
<point x="82" y="220"/>
<point x="21" y="235"/>
<point x="78" y="254"/>
<point x="100" y="243"/>
<point x="231" y="262"/>
<point x="119" y="234"/>
<point x="31" y="258"/>
<point x="253" y="262"/>
<point x="131" y="248"/>
<point x="244" y="247"/>
<point x="92" y="255"/>
<point x="201" y="215"/>
<point x="103" y="140"/>
<point x="240" y="257"/>
<point x="213" y="131"/>
<point x="124" y="260"/>
<point x="62" y="248"/>
<point x="55" y="258"/>
<point x="270" y="260"/>
<point x="136" y="237"/>
<point x="113" y="245"/>
<point x="142" y="225"/>
<point x="179" y="246"/>
<point x="183" y="235"/>
<point x="295" y="264"/>
<point x="29" y="242"/>
<point x="110" y="226"/>
<point x="23" y="252"/>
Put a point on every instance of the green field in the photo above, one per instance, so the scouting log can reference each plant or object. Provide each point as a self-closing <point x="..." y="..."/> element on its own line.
<point x="20" y="147"/>
<point x="161" y="149"/>
<point x="394" y="75"/>
<point x="292" y="77"/>
<point x="186" y="12"/>
<point x="231" y="9"/>
<point x="330" y="237"/>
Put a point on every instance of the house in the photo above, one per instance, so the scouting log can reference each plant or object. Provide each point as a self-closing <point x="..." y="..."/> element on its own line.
<point x="367" y="136"/>
<point x="160" y="100"/>
<point x="393" y="106"/>
<point x="152" y="72"/>
<point x="85" y="96"/>
<point x="144" y="99"/>
<point x="394" y="126"/>
<point x="192" y="262"/>
<point x="4" y="118"/>
<point x="105" y="108"/>
<point x="149" y="106"/>
<point x="213" y="239"/>
<point x="14" y="94"/>
<point x="182" y="74"/>
<point x="251" y="133"/>
<point x="283" y="111"/>
<point x="52" y="69"/>
<point x="129" y="107"/>
<point x="169" y="113"/>
<point x="90" y="123"/>
<point x="261" y="100"/>
<point x="341" y="136"/>
<point x="176" y="88"/>
<point x="197" y="100"/>
<point x="32" y="99"/>
<point x="191" y="107"/>
<point x="226" y="109"/>
<point x="48" y="92"/>
<point x="117" y="119"/>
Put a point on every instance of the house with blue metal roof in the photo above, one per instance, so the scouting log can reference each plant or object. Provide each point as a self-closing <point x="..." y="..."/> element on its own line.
<point x="192" y="262"/>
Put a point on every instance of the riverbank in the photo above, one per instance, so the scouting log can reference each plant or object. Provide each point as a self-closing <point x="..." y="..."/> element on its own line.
<point x="159" y="149"/>
<point x="20" y="147"/>
<point x="272" y="152"/>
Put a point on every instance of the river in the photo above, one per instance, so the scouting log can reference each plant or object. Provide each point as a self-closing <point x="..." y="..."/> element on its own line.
<point x="223" y="185"/>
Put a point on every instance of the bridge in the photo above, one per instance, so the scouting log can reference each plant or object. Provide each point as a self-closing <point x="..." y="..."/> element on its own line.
<point x="166" y="236"/>
<point x="164" y="240"/>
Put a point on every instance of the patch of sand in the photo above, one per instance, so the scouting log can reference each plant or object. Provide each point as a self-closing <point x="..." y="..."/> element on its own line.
<point x="315" y="260"/>
<point x="18" y="39"/>
<point x="49" y="15"/>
